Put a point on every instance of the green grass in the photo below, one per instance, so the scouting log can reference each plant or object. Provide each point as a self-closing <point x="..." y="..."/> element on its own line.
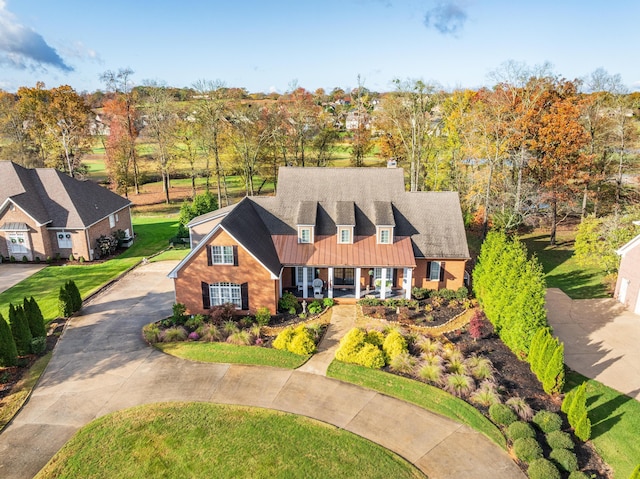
<point x="152" y="235"/>
<point x="229" y="353"/>
<point x="423" y="395"/>
<point x="561" y="269"/>
<point x="201" y="440"/>
<point x="171" y="255"/>
<point x="615" y="420"/>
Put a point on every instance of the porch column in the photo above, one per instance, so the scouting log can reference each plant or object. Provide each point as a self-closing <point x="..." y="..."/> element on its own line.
<point x="305" y="285"/>
<point x="383" y="283"/>
<point x="330" y="280"/>
<point x="280" y="284"/>
<point x="408" y="280"/>
<point x="357" y="278"/>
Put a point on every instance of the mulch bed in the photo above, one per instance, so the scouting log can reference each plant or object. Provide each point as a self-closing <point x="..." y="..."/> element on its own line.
<point x="515" y="377"/>
<point x="439" y="314"/>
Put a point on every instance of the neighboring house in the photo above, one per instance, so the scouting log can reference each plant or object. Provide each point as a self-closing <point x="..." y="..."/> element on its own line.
<point x="628" y="284"/>
<point x="44" y="212"/>
<point x="354" y="119"/>
<point x="355" y="229"/>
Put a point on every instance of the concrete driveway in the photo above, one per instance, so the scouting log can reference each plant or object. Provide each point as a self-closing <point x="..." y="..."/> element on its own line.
<point x="12" y="273"/>
<point x="102" y="365"/>
<point x="601" y="339"/>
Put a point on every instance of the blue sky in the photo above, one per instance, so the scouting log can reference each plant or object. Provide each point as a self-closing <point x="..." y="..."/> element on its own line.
<point x="267" y="45"/>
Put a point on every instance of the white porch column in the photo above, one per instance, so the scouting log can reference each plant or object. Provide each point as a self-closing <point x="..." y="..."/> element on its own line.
<point x="280" y="284"/>
<point x="330" y="280"/>
<point x="383" y="283"/>
<point x="408" y="280"/>
<point x="357" y="278"/>
<point x="305" y="285"/>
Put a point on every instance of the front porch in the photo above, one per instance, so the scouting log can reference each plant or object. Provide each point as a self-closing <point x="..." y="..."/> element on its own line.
<point x="347" y="282"/>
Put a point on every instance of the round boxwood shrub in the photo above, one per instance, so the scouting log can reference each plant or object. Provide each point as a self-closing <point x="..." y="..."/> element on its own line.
<point x="559" y="440"/>
<point x="520" y="429"/>
<point x="579" y="475"/>
<point x="547" y="421"/>
<point x="527" y="449"/>
<point x="543" y="469"/>
<point x="502" y="414"/>
<point x="564" y="459"/>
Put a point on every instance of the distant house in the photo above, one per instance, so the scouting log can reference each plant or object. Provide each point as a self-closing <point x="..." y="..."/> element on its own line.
<point x="44" y="212"/>
<point x="355" y="119"/>
<point x="329" y="232"/>
<point x="628" y="284"/>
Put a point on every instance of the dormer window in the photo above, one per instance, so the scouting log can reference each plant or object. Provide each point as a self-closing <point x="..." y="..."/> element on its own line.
<point x="345" y="234"/>
<point x="385" y="235"/>
<point x="305" y="234"/>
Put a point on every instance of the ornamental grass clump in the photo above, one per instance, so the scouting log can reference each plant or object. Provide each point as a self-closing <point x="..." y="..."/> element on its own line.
<point x="527" y="449"/>
<point x="565" y="460"/>
<point x="230" y="327"/>
<point x="480" y="368"/>
<point x="431" y="373"/>
<point x="547" y="421"/>
<point x="175" y="334"/>
<point x="428" y="345"/>
<point x="486" y="395"/>
<point x="403" y="363"/>
<point x="151" y="333"/>
<point x="241" y="337"/>
<point x="520" y="407"/>
<point x="543" y="469"/>
<point x="502" y="415"/>
<point x="209" y="333"/>
<point x="519" y="430"/>
<point x="459" y="385"/>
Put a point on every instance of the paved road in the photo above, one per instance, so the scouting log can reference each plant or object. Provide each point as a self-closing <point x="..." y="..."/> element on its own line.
<point x="12" y="273"/>
<point x="600" y="338"/>
<point x="102" y="365"/>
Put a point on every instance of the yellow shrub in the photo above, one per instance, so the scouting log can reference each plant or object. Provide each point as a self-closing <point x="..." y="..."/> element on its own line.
<point x="394" y="344"/>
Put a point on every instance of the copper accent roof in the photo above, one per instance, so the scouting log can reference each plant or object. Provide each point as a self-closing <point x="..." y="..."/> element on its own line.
<point x="326" y="251"/>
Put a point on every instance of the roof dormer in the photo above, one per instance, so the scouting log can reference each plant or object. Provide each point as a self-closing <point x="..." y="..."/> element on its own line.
<point x="345" y="221"/>
<point x="384" y="221"/>
<point x="306" y="221"/>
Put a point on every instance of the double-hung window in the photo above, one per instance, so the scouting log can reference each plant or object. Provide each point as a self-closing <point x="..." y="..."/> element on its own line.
<point x="434" y="270"/>
<point x="222" y="255"/>
<point x="344" y="235"/>
<point x="305" y="235"/>
<point x="222" y="293"/>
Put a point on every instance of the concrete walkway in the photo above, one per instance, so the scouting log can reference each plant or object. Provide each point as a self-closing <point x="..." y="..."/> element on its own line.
<point x="101" y="365"/>
<point x="12" y="273"/>
<point x="600" y="337"/>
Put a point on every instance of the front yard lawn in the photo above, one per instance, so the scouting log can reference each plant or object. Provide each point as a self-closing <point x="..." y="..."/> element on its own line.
<point x="230" y="353"/>
<point x="152" y="235"/>
<point x="200" y="440"/>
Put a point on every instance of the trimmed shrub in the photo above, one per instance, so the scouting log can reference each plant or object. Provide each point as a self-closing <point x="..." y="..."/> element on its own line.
<point x="370" y="357"/>
<point x="394" y="344"/>
<point x="39" y="345"/>
<point x="178" y="316"/>
<point x="34" y="318"/>
<point x="553" y="379"/>
<point x="582" y="428"/>
<point x="502" y="415"/>
<point x="20" y="330"/>
<point x="354" y="348"/>
<point x="328" y="302"/>
<point x="302" y="343"/>
<point x="288" y="303"/>
<point x="547" y="421"/>
<point x="8" y="351"/>
<point x="543" y="469"/>
<point x="575" y="406"/>
<point x="374" y="337"/>
<point x="564" y="459"/>
<point x="519" y="430"/>
<point x="559" y="440"/>
<point x="65" y="304"/>
<point x="263" y="316"/>
<point x="527" y="449"/>
<point x="283" y="338"/>
<point x="584" y="475"/>
<point x="315" y="307"/>
<point x="151" y="333"/>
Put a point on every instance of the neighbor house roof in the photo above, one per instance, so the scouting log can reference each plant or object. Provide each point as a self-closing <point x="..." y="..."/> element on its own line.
<point x="53" y="198"/>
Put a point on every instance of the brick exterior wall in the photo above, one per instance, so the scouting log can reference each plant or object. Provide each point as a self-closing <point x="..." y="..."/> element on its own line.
<point x="38" y="244"/>
<point x="122" y="222"/>
<point x="630" y="271"/>
<point x="453" y="276"/>
<point x="263" y="291"/>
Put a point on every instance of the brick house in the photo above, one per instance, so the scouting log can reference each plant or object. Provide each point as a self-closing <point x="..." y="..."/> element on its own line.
<point x="628" y="284"/>
<point x="328" y="232"/>
<point x="44" y="212"/>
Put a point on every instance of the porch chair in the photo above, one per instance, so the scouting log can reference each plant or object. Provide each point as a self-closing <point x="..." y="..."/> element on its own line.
<point x="317" y="287"/>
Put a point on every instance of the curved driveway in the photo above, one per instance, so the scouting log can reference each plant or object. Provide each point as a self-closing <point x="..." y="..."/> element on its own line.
<point x="102" y="365"/>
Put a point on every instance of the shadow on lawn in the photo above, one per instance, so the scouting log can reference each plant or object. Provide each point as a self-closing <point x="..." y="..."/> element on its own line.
<point x="578" y="285"/>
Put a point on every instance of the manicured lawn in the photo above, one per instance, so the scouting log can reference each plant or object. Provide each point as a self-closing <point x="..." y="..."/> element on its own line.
<point x="615" y="420"/>
<point x="423" y="395"/>
<point x="171" y="255"/>
<point x="229" y="353"/>
<point x="562" y="270"/>
<point x="152" y="235"/>
<point x="200" y="440"/>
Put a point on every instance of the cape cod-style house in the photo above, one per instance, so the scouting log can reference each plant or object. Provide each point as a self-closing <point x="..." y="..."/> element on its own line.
<point x="328" y="232"/>
<point x="45" y="213"/>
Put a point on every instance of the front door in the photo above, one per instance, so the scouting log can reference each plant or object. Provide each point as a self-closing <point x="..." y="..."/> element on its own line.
<point x="343" y="276"/>
<point x="622" y="294"/>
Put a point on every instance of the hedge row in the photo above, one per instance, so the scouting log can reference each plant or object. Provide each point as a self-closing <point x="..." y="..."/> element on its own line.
<point x="574" y="406"/>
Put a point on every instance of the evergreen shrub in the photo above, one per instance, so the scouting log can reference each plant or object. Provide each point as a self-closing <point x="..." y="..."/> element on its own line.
<point x="8" y="351"/>
<point x="543" y="469"/>
<point x="547" y="421"/>
<point x="502" y="415"/>
<point x="519" y="430"/>
<point x="564" y="459"/>
<point x="20" y="330"/>
<point x="527" y="449"/>
<point x="559" y="440"/>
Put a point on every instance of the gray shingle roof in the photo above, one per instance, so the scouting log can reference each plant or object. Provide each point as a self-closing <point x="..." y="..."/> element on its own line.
<point x="345" y="213"/>
<point x="383" y="213"/>
<point x="307" y="211"/>
<point x="52" y="197"/>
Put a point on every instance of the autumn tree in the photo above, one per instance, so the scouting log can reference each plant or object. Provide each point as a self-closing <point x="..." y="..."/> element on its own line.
<point x="185" y="144"/>
<point x="299" y="123"/>
<point x="161" y="123"/>
<point x="361" y="142"/>
<point x="15" y="143"/>
<point x="558" y="138"/>
<point x="124" y="113"/>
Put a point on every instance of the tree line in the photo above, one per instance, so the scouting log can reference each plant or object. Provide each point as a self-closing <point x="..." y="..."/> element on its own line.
<point x="534" y="143"/>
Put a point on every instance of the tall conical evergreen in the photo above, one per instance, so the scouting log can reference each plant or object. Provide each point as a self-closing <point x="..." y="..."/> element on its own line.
<point x="64" y="303"/>
<point x="20" y="330"/>
<point x="74" y="295"/>
<point x="34" y="318"/>
<point x="8" y="351"/>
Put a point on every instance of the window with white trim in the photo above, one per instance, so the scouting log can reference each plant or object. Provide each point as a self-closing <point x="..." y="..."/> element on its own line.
<point x="222" y="255"/>
<point x="434" y="273"/>
<point x="64" y="240"/>
<point x="344" y="235"/>
<point x="385" y="236"/>
<point x="300" y="275"/>
<point x="112" y="221"/>
<point x="222" y="293"/>
<point x="304" y="235"/>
